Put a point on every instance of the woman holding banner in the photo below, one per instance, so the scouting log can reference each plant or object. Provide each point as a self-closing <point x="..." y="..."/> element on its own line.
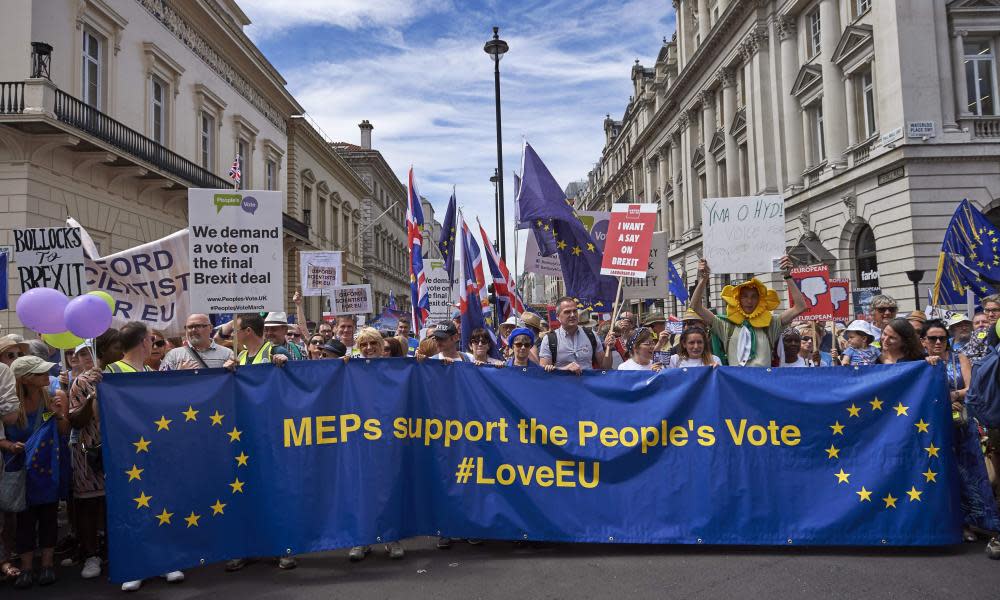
<point x="639" y="347"/>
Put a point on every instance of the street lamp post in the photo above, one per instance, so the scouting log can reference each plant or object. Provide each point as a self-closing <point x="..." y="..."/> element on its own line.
<point x="495" y="179"/>
<point x="915" y="276"/>
<point x="496" y="48"/>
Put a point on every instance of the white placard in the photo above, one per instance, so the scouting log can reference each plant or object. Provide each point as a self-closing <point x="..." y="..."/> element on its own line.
<point x="50" y="257"/>
<point x="438" y="290"/>
<point x="657" y="281"/>
<point x="235" y="246"/>
<point x="320" y="271"/>
<point x="743" y="234"/>
<point x="351" y="299"/>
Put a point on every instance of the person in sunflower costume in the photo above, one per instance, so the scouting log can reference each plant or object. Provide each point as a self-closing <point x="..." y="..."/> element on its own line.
<point x="749" y="330"/>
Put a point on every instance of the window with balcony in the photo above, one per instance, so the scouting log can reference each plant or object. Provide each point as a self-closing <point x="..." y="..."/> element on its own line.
<point x="206" y="128"/>
<point x="92" y="57"/>
<point x="866" y="88"/>
<point x="813" y="33"/>
<point x="158" y="110"/>
<point x="980" y="77"/>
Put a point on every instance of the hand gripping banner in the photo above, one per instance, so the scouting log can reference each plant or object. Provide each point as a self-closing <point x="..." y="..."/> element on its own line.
<point x="210" y="465"/>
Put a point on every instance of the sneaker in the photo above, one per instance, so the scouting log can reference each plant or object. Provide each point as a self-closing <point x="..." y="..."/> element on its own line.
<point x="174" y="576"/>
<point x="47" y="576"/>
<point x="993" y="548"/>
<point x="444" y="543"/>
<point x="235" y="564"/>
<point x="91" y="568"/>
<point x="287" y="562"/>
<point x="358" y="553"/>
<point x="132" y="586"/>
<point x="24" y="581"/>
<point x="394" y="550"/>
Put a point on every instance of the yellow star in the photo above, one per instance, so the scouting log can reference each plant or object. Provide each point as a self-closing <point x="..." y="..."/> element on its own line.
<point x="931" y="450"/>
<point x="163" y="424"/>
<point x="876" y="404"/>
<point x="837" y="428"/>
<point x="141" y="446"/>
<point x="539" y="222"/>
<point x="216" y="418"/>
<point x="217" y="508"/>
<point x="134" y="473"/>
<point x="234" y="435"/>
<point x="833" y="452"/>
<point x="561" y="245"/>
<point x="900" y="409"/>
<point x="854" y="411"/>
<point x="865" y="495"/>
<point x="142" y="500"/>
<point x="192" y="519"/>
<point x="921" y="426"/>
<point x="890" y="502"/>
<point x="164" y="517"/>
<point x="914" y="493"/>
<point x="930" y="476"/>
<point x="546" y="227"/>
<point x="576" y="251"/>
<point x="590" y="246"/>
<point x="190" y="414"/>
<point x="241" y="460"/>
<point x="842" y="477"/>
<point x="237" y="485"/>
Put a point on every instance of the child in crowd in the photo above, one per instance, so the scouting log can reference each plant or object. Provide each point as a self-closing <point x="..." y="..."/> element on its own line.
<point x="859" y="349"/>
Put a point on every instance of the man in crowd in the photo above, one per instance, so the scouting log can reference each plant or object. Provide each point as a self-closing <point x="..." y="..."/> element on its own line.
<point x="136" y="344"/>
<point x="570" y="347"/>
<point x="917" y="318"/>
<point x="326" y="330"/>
<point x="276" y="332"/>
<point x="447" y="337"/>
<point x="748" y="311"/>
<point x="201" y="351"/>
<point x="249" y="333"/>
<point x="403" y="331"/>
<point x="346" y="327"/>
<point x="960" y="330"/>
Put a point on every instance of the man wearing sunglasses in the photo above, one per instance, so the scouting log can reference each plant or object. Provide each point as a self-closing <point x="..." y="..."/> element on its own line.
<point x="201" y="352"/>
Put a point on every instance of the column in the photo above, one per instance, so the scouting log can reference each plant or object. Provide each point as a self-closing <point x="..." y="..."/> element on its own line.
<point x="747" y="50"/>
<point x="677" y="222"/>
<point x="651" y="175"/>
<point x="707" y="133"/>
<point x="761" y="125"/>
<point x="662" y="181"/>
<point x="703" y="20"/>
<point x="834" y="97"/>
<point x="852" y="113"/>
<point x="728" y="81"/>
<point x="958" y="55"/>
<point x="795" y="151"/>
<point x="681" y="32"/>
<point x="688" y="175"/>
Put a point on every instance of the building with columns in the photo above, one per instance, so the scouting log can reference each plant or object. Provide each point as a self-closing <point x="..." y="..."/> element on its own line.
<point x="872" y="118"/>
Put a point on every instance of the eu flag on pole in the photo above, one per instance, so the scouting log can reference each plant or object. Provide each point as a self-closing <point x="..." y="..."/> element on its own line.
<point x="518" y="222"/>
<point x="391" y="304"/>
<point x="971" y="236"/>
<point x="447" y="242"/>
<point x="676" y="283"/>
<point x="955" y="279"/>
<point x="558" y="231"/>
<point x="47" y="467"/>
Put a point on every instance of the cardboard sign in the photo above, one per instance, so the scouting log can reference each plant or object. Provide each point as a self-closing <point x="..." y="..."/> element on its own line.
<point x="50" y="257"/>
<point x="319" y="272"/>
<point x="657" y="280"/>
<point x="630" y="236"/>
<point x="351" y="299"/>
<point x="596" y="223"/>
<point x="744" y="234"/>
<point x="863" y="302"/>
<point x="840" y="296"/>
<point x="236" y="251"/>
<point x="814" y="281"/>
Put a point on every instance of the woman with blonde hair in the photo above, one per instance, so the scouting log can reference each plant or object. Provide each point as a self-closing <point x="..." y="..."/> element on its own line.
<point x="693" y="351"/>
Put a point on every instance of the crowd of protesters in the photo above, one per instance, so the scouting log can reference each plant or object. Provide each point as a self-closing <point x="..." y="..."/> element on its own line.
<point x="36" y="381"/>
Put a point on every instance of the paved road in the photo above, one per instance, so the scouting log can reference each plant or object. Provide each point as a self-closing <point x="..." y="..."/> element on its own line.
<point x="504" y="570"/>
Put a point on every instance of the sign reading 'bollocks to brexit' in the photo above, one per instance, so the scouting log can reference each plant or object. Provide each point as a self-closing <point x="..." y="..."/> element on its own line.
<point x="630" y="235"/>
<point x="235" y="245"/>
<point x="205" y="466"/>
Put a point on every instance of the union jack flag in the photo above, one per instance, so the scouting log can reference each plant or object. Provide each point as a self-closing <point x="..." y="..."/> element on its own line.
<point x="507" y="297"/>
<point x="235" y="173"/>
<point x="419" y="299"/>
<point x="474" y="256"/>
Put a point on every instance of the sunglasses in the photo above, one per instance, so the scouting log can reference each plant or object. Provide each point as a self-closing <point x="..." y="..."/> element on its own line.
<point x="159" y="344"/>
<point x="316" y="342"/>
<point x="13" y="355"/>
<point x="479" y="342"/>
<point x="522" y="344"/>
<point x="936" y="338"/>
<point x="886" y="309"/>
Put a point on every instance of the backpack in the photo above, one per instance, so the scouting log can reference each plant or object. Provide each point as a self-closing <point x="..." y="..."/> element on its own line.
<point x="552" y="339"/>
<point x="983" y="397"/>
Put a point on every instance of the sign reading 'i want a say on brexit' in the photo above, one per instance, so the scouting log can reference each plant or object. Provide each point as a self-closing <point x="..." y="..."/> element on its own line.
<point x="235" y="247"/>
<point x="630" y="235"/>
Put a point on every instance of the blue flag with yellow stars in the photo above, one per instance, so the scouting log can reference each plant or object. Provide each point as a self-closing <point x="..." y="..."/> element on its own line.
<point x="677" y="287"/>
<point x="447" y="242"/>
<point x="47" y="464"/>
<point x="204" y="466"/>
<point x="971" y="236"/>
<point x="954" y="280"/>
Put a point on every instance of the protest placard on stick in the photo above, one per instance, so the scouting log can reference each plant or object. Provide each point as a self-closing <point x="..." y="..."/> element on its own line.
<point x="50" y="257"/>
<point x="743" y="234"/>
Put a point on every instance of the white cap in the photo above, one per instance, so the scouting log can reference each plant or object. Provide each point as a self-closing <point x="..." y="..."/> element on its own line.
<point x="861" y="326"/>
<point x="276" y="318"/>
<point x="957" y="318"/>
<point x="86" y="344"/>
<point x="512" y="321"/>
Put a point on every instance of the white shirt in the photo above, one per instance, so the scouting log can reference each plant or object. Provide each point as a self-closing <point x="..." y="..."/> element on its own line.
<point x="462" y="356"/>
<point x="631" y="365"/>
<point x="676" y="362"/>
<point x="799" y="362"/>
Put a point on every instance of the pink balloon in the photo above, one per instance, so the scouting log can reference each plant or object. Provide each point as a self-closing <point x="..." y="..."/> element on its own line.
<point x="87" y="316"/>
<point x="41" y="310"/>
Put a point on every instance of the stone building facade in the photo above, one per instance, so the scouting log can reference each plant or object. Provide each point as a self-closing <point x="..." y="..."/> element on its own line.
<point x="872" y="118"/>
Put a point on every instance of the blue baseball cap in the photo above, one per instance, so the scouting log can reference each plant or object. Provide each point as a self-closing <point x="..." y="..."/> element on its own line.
<point x="520" y="331"/>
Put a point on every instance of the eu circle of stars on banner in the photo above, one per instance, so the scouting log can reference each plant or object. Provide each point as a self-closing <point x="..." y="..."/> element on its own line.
<point x="164" y="427"/>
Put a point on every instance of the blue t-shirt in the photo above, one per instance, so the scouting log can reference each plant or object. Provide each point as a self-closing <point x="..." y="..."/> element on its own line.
<point x="863" y="356"/>
<point x="532" y="366"/>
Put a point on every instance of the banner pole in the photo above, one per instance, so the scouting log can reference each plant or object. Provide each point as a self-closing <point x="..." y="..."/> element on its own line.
<point x="617" y="307"/>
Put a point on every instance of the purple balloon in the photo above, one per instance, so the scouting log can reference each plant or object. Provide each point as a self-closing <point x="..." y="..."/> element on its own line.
<point x="87" y="316"/>
<point x="41" y="310"/>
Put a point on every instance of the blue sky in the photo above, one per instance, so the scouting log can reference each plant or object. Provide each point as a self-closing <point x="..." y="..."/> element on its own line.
<point x="416" y="69"/>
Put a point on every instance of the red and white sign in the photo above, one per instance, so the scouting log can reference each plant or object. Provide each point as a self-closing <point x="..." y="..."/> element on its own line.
<point x="630" y="237"/>
<point x="814" y="281"/>
<point x="840" y="298"/>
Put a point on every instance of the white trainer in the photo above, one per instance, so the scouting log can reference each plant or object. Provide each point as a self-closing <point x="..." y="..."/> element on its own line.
<point x="91" y="568"/>
<point x="174" y="577"/>
<point x="132" y="586"/>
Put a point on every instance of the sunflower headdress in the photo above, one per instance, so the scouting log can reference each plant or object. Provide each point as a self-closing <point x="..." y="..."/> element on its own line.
<point x="761" y="315"/>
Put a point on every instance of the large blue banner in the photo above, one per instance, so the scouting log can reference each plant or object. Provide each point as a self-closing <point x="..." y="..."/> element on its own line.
<point x="205" y="466"/>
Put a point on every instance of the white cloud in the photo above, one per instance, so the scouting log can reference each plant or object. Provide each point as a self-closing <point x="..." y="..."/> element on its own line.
<point x="270" y="16"/>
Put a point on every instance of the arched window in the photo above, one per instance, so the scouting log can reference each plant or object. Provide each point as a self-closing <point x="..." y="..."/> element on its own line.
<point x="866" y="264"/>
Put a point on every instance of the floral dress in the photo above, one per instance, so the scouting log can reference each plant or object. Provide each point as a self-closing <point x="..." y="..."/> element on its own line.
<point x="86" y="483"/>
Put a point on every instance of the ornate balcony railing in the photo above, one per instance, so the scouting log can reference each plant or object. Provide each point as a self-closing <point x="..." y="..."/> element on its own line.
<point x="986" y="127"/>
<point x="11" y="97"/>
<point x="81" y="115"/>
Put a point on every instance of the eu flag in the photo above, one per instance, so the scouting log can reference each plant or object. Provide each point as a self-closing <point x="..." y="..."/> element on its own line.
<point x="47" y="462"/>
<point x="954" y="280"/>
<point x="676" y="283"/>
<point x="558" y="231"/>
<point x="447" y="242"/>
<point x="971" y="236"/>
